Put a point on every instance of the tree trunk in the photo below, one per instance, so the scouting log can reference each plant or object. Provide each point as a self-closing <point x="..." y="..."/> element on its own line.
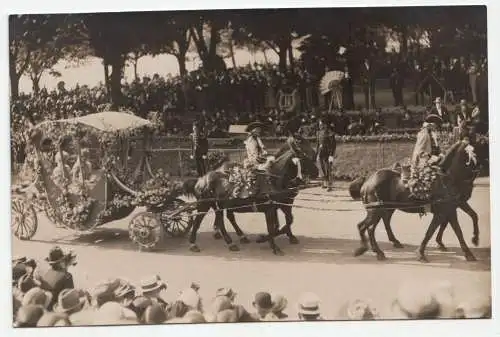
<point x="36" y="84"/>
<point x="117" y="64"/>
<point x="290" y="55"/>
<point x="265" y="57"/>
<point x="282" y="53"/>
<point x="181" y="59"/>
<point x="231" y="49"/>
<point x="14" y="80"/>
<point x="136" y="75"/>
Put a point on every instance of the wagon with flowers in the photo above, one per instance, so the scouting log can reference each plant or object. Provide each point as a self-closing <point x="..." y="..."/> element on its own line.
<point x="82" y="179"/>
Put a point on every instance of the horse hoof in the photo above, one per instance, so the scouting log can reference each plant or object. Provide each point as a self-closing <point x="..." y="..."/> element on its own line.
<point x="234" y="248"/>
<point x="293" y="240"/>
<point x="475" y="241"/>
<point x="194" y="249"/>
<point x="421" y="257"/>
<point x="278" y="252"/>
<point x="360" y="251"/>
<point x="470" y="257"/>
<point x="217" y="236"/>
<point x="442" y="247"/>
<point x="244" y="240"/>
<point x="381" y="256"/>
<point x="397" y="244"/>
<point x="261" y="239"/>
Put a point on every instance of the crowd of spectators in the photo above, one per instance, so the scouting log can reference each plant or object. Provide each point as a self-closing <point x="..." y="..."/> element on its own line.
<point x="45" y="294"/>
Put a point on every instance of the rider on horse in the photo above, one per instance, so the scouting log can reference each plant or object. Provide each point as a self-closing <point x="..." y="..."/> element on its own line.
<point x="426" y="154"/>
<point x="256" y="152"/>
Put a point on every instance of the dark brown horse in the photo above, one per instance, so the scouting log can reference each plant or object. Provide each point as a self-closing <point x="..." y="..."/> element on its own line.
<point x="213" y="191"/>
<point x="384" y="192"/>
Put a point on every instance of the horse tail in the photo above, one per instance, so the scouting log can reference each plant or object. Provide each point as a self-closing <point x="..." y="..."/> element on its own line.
<point x="188" y="187"/>
<point x="355" y="187"/>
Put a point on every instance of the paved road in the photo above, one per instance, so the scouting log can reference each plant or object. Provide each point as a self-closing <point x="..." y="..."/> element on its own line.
<point x="322" y="262"/>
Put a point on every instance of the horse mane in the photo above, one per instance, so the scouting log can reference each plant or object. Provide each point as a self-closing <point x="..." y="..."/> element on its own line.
<point x="450" y="155"/>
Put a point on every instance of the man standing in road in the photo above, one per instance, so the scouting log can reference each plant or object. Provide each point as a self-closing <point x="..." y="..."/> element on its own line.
<point x="325" y="149"/>
<point x="199" y="148"/>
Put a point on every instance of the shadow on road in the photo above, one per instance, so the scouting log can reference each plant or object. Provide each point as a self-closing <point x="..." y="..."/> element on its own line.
<point x="310" y="249"/>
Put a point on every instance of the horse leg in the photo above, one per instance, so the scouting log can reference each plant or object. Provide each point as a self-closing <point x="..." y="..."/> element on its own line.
<point x="439" y="237"/>
<point x="219" y="221"/>
<point x="437" y="219"/>
<point x="460" y="236"/>
<point x="202" y="209"/>
<point x="390" y="234"/>
<point x="232" y="219"/>
<point x="475" y="219"/>
<point x="362" y="227"/>
<point x="217" y="235"/>
<point x="373" y="242"/>
<point x="287" y="210"/>
<point x="272" y="226"/>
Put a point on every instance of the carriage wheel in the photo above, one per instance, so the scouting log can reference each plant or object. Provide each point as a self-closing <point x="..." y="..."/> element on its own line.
<point x="145" y="230"/>
<point x="179" y="224"/>
<point x="24" y="221"/>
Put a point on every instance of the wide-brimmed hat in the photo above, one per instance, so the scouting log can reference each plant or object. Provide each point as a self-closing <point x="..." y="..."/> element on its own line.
<point x="70" y="300"/>
<point x="308" y="304"/>
<point x="124" y="289"/>
<point x="263" y="300"/>
<point x="435" y="119"/>
<point x="252" y="126"/>
<point x="28" y="316"/>
<point x="56" y="255"/>
<point x="194" y="317"/>
<point x="37" y="296"/>
<point x="152" y="283"/>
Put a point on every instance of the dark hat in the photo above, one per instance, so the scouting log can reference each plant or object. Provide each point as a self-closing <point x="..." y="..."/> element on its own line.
<point x="263" y="300"/>
<point x="253" y="126"/>
<point x="56" y="255"/>
<point x="26" y="283"/>
<point x="432" y="118"/>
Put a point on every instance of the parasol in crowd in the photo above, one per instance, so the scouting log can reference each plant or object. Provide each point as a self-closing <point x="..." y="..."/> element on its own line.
<point x="330" y="81"/>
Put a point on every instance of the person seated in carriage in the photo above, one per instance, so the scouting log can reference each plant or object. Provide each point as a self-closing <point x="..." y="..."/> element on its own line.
<point x="84" y="169"/>
<point x="60" y="174"/>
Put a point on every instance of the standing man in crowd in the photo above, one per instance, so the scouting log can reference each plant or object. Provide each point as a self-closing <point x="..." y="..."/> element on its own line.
<point x="397" y="86"/>
<point x="325" y="149"/>
<point x="368" y="81"/>
<point x="199" y="147"/>
<point x="440" y="110"/>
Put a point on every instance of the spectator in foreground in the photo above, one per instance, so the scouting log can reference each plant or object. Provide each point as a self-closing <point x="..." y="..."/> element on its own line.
<point x="153" y="288"/>
<point x="263" y="304"/>
<point x="308" y="307"/>
<point x="280" y="304"/>
<point x="57" y="277"/>
<point x="358" y="310"/>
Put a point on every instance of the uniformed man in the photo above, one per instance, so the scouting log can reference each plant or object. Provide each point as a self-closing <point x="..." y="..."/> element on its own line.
<point x="325" y="149"/>
<point x="199" y="148"/>
<point x="256" y="152"/>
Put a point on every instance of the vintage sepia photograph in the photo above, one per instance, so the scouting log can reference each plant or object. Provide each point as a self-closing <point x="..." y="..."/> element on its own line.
<point x="249" y="165"/>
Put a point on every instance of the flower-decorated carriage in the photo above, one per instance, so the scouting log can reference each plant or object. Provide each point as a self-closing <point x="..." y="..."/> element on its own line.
<point x="82" y="180"/>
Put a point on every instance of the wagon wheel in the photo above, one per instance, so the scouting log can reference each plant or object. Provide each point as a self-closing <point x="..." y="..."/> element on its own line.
<point x="24" y="221"/>
<point x="145" y="230"/>
<point x="177" y="224"/>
